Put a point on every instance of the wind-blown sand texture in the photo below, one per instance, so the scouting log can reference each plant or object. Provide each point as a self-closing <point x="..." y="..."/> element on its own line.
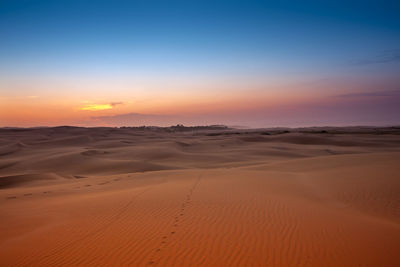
<point x="150" y="197"/>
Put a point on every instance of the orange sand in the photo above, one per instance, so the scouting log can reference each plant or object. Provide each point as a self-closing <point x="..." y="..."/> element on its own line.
<point x="102" y="197"/>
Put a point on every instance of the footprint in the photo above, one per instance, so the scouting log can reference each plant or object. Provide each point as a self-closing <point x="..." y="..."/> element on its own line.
<point x="29" y="194"/>
<point x="12" y="197"/>
<point x="87" y="185"/>
<point x="46" y="192"/>
<point x="187" y="201"/>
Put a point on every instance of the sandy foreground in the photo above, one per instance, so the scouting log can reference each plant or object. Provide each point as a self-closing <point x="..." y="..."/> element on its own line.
<point x="103" y="197"/>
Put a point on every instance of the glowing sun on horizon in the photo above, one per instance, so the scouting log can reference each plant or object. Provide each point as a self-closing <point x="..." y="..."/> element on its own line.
<point x="95" y="107"/>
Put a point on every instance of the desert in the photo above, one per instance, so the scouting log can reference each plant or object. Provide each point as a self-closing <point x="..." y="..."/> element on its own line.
<point x="208" y="196"/>
<point x="200" y="133"/>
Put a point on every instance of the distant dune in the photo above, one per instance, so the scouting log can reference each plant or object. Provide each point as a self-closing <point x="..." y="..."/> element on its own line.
<point x="200" y="196"/>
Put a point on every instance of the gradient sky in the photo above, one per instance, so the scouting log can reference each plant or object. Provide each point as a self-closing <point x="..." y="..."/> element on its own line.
<point x="248" y="63"/>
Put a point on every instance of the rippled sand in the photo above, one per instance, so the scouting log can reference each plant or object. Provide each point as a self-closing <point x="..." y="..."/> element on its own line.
<point x="75" y="196"/>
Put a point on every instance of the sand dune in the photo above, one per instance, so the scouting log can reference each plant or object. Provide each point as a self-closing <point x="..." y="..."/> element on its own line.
<point x="103" y="197"/>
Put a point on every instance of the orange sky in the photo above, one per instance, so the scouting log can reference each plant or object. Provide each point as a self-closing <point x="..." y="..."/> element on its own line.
<point x="244" y="100"/>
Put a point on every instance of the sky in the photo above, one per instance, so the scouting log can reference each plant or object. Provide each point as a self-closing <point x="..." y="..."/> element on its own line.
<point x="237" y="63"/>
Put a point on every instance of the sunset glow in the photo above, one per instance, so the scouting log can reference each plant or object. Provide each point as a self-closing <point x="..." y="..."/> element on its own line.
<point x="94" y="107"/>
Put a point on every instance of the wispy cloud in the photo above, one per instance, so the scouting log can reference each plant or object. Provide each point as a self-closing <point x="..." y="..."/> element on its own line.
<point x="113" y="104"/>
<point x="96" y="107"/>
<point x="387" y="56"/>
<point x="387" y="93"/>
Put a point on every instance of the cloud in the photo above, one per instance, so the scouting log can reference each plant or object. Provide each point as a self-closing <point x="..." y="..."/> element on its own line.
<point x="388" y="93"/>
<point x="113" y="104"/>
<point x="388" y="56"/>
<point x="96" y="107"/>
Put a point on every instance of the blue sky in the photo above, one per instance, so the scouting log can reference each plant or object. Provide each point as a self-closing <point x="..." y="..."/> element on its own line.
<point x="181" y="35"/>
